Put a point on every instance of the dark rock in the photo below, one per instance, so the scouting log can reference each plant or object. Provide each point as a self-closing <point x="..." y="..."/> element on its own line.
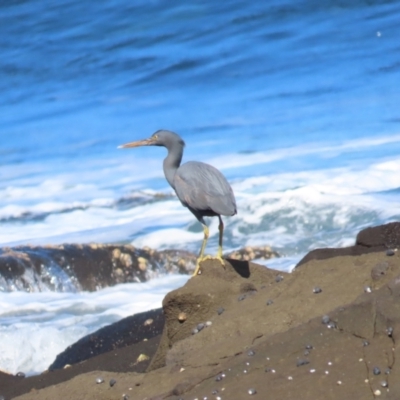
<point x="369" y="240"/>
<point x="385" y="236"/>
<point x="123" y="333"/>
<point x="324" y="254"/>
<point x="72" y="267"/>
<point x="200" y="326"/>
<point x="112" y="382"/>
<point x="376" y="371"/>
<point x="116" y="361"/>
<point x="302" y="362"/>
<point x="331" y="325"/>
<point x="325" y="319"/>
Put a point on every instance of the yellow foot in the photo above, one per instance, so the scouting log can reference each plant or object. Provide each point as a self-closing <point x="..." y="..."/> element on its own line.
<point x="199" y="261"/>
<point x="197" y="269"/>
<point x="219" y="258"/>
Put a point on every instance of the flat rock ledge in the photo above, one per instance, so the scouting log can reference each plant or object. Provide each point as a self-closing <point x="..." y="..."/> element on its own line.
<point x="330" y="330"/>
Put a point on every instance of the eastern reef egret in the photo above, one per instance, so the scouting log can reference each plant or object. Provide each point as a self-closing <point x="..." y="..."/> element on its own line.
<point x="200" y="187"/>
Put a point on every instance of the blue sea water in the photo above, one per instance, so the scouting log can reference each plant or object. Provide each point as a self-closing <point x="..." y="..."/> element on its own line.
<point x="297" y="102"/>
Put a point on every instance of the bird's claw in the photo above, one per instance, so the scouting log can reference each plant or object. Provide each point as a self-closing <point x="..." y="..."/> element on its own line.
<point x="219" y="258"/>
<point x="200" y="260"/>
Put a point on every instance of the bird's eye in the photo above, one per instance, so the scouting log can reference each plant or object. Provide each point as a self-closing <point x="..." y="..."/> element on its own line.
<point x="155" y="136"/>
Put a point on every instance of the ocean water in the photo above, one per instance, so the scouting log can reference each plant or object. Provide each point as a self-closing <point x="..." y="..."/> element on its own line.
<point x="34" y="330"/>
<point x="295" y="102"/>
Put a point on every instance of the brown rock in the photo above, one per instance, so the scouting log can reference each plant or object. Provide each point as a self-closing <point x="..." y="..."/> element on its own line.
<point x="254" y="346"/>
<point x="382" y="236"/>
<point x="283" y="350"/>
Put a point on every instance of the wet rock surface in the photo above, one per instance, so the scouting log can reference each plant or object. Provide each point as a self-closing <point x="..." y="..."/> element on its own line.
<point x="250" y="253"/>
<point x="75" y="267"/>
<point x="284" y="350"/>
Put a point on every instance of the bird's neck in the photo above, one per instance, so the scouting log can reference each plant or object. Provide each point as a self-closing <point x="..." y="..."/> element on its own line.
<point x="171" y="164"/>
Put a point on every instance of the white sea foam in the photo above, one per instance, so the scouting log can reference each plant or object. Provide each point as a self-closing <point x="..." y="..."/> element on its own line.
<point x="227" y="161"/>
<point x="36" y="327"/>
<point x="294" y="212"/>
<point x="172" y="238"/>
<point x="297" y="212"/>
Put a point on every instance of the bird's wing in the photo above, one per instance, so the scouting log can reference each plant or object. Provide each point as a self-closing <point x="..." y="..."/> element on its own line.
<point x="202" y="187"/>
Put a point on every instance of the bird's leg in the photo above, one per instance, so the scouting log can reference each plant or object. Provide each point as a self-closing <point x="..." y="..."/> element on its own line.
<point x="219" y="253"/>
<point x="221" y="233"/>
<point x="203" y="247"/>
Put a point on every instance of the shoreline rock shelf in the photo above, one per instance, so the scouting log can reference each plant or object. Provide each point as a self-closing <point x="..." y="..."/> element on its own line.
<point x="302" y="344"/>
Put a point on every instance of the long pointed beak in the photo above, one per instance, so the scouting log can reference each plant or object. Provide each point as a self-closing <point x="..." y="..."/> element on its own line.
<point x="144" y="142"/>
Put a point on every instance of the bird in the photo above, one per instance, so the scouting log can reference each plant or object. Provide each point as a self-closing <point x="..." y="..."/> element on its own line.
<point x="200" y="187"/>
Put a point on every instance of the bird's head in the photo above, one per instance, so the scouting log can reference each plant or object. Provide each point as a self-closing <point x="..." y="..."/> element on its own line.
<point x="162" y="137"/>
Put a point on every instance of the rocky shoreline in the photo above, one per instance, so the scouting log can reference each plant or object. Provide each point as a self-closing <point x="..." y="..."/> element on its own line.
<point x="328" y="330"/>
<point x="90" y="267"/>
